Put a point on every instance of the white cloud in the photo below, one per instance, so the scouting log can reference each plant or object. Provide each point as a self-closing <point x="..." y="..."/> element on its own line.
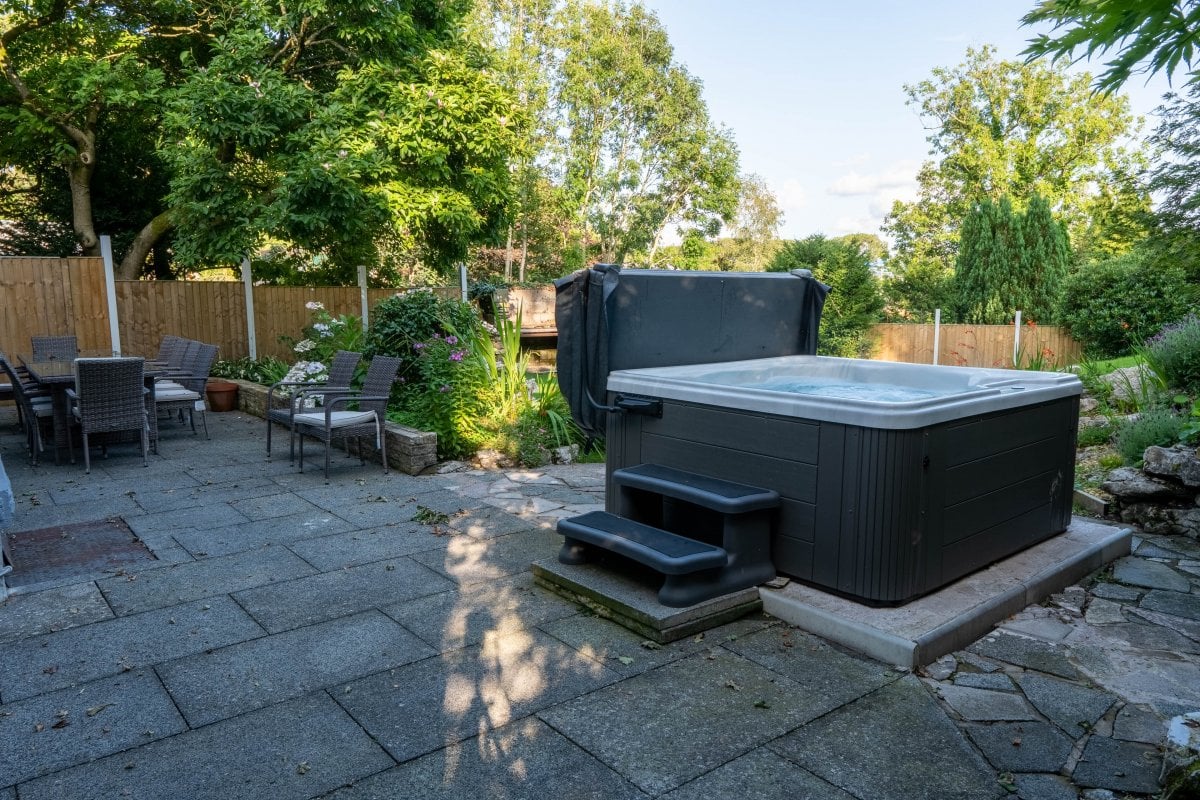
<point x="853" y="161"/>
<point x="900" y="175"/>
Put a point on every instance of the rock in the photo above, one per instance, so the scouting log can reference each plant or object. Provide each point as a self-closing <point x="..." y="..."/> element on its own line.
<point x="1165" y="520"/>
<point x="1131" y="485"/>
<point x="565" y="455"/>
<point x="1104" y="612"/>
<point x="1179" y="463"/>
<point x="1181" y="762"/>
<point x="1126" y="383"/>
<point x="447" y="467"/>
<point x="1087" y="405"/>
<point x="1098" y="794"/>
<point x="941" y="669"/>
<point x="492" y="459"/>
<point x="1134" y="571"/>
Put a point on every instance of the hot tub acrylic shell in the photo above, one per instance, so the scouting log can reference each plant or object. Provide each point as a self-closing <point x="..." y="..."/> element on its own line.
<point x="881" y="501"/>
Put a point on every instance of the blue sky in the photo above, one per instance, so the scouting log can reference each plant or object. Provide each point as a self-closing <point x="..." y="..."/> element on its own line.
<point x="814" y="91"/>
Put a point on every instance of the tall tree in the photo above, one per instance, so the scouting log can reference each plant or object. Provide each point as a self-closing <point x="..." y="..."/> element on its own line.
<point x="1045" y="261"/>
<point x="752" y="236"/>
<point x="1004" y="128"/>
<point x="988" y="273"/>
<point x="1147" y="35"/>
<point x="1176" y="177"/>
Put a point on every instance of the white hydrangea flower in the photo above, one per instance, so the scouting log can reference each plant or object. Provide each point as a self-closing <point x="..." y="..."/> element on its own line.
<point x="304" y="345"/>
<point x="315" y="305"/>
<point x="322" y="329"/>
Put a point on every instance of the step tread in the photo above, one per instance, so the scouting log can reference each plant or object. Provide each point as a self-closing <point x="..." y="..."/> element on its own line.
<point x="715" y="493"/>
<point x="665" y="551"/>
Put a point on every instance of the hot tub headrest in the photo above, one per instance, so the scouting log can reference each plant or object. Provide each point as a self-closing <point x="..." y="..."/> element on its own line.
<point x="609" y="318"/>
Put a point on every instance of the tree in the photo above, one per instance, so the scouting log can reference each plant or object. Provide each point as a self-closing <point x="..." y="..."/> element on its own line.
<point x="1159" y="35"/>
<point x="854" y="302"/>
<point x="987" y="276"/>
<point x="753" y="232"/>
<point x="1045" y="261"/>
<point x="1176" y="177"/>
<point x="330" y="126"/>
<point x="1002" y="128"/>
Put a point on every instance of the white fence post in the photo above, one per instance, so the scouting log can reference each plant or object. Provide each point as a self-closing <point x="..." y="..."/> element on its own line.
<point x="249" y="284"/>
<point x="1017" y="340"/>
<point x="362" y="294"/>
<point x="110" y="291"/>
<point x="937" y="333"/>
<point x="462" y="280"/>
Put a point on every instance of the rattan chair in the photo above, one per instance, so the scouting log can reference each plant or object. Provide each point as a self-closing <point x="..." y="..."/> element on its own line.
<point x="334" y="420"/>
<point x="170" y="352"/>
<point x="50" y="348"/>
<point x="185" y="391"/>
<point x="33" y="406"/>
<point x="341" y="373"/>
<point x="110" y="397"/>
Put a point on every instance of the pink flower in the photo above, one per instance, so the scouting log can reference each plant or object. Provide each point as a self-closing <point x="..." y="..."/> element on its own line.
<point x="451" y="340"/>
<point x="457" y="355"/>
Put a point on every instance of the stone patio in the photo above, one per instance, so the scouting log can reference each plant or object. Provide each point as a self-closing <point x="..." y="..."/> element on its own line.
<point x="301" y="640"/>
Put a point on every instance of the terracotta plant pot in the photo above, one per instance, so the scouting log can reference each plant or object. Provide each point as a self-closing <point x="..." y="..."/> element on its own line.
<point x="222" y="395"/>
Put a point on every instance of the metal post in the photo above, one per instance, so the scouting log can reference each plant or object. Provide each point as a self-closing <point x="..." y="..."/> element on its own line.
<point x="248" y="281"/>
<point x="937" y="333"/>
<point x="362" y="294"/>
<point x="462" y="280"/>
<point x="1017" y="341"/>
<point x="110" y="290"/>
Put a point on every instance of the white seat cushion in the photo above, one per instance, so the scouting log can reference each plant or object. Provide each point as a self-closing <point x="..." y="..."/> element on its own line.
<point x="175" y="395"/>
<point x="337" y="419"/>
<point x="163" y="386"/>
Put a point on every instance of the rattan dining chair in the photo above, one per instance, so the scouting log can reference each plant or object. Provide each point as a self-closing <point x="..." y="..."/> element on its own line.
<point x="51" y="348"/>
<point x="335" y="421"/>
<point x="341" y="373"/>
<point x="33" y="406"/>
<point x="110" y="397"/>
<point x="185" y="390"/>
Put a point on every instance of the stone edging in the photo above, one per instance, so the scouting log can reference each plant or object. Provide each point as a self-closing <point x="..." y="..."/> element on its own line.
<point x="409" y="450"/>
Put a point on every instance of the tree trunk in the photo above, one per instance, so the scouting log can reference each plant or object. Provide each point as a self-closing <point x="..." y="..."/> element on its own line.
<point x="131" y="265"/>
<point x="508" y="257"/>
<point x="524" y="254"/>
<point x="79" y="174"/>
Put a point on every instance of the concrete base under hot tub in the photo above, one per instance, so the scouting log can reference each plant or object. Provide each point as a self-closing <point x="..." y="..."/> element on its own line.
<point x="912" y="635"/>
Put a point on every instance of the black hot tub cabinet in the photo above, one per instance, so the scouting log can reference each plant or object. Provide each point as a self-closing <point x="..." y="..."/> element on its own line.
<point x="894" y="479"/>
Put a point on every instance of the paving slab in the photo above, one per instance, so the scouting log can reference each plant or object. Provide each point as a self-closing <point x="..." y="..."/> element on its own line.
<point x="949" y="619"/>
<point x="351" y="548"/>
<point x="1044" y="787"/>
<point x="525" y="759"/>
<point x="466" y="559"/>
<point x="45" y="515"/>
<point x="983" y="705"/>
<point x="33" y="613"/>
<point x="85" y="488"/>
<point x="1139" y="724"/>
<point x="221" y="683"/>
<point x="453" y="620"/>
<point x="421" y="707"/>
<point x="761" y="775"/>
<point x="206" y="515"/>
<point x="488" y="523"/>
<point x="308" y="600"/>
<point x="1104" y="612"/>
<point x="1168" y="682"/>
<point x="144" y="589"/>
<point x="200" y="493"/>
<point x="1119" y="766"/>
<point x="1149" y="574"/>
<point x="291" y="751"/>
<point x="1073" y="708"/>
<point x="1026" y="652"/>
<point x="44" y="663"/>
<point x="1175" y="603"/>
<point x="376" y="512"/>
<point x="859" y="744"/>
<point x="253" y="535"/>
<point x="668" y="726"/>
<point x="448" y="502"/>
<point x="996" y="681"/>
<point x="628" y="653"/>
<point x="1116" y="591"/>
<point x="1030" y="746"/>
<point x="60" y="729"/>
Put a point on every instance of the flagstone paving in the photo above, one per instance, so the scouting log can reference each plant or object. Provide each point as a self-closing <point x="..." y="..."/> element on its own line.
<point x="381" y="637"/>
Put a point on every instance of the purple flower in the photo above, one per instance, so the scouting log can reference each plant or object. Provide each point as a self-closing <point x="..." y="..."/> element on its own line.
<point x="457" y="355"/>
<point x="445" y="388"/>
<point x="418" y="346"/>
<point x="452" y="340"/>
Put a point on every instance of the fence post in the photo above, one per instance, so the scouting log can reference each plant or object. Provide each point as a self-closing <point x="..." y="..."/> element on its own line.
<point x="1017" y="340"/>
<point x="462" y="280"/>
<point x="937" y="333"/>
<point x="249" y="284"/>
<point x="362" y="294"/>
<point x="110" y="291"/>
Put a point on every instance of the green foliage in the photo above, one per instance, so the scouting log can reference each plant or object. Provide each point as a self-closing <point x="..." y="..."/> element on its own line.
<point x="1111" y="306"/>
<point x="265" y="370"/>
<point x="1174" y="354"/>
<point x="1175" y="178"/>
<point x="1157" y="34"/>
<point x="1095" y="435"/>
<point x="1154" y="427"/>
<point x="327" y="334"/>
<point x="1003" y="128"/>
<point x="854" y="303"/>
<point x="541" y="425"/>
<point x="451" y="394"/>
<point x="401" y="322"/>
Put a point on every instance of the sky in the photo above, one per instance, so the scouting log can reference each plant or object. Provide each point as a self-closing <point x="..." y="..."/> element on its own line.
<point x="814" y="92"/>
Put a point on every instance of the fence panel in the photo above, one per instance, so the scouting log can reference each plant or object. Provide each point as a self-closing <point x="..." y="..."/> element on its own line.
<point x="976" y="345"/>
<point x="211" y="311"/>
<point x="52" y="296"/>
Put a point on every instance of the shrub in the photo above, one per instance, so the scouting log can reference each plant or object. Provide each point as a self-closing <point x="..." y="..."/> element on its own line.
<point x="1093" y="435"/>
<point x="327" y="334"/>
<point x="1174" y="354"/>
<point x="266" y="370"/>
<point x="1112" y="306"/>
<point x="415" y="317"/>
<point x="1156" y="427"/>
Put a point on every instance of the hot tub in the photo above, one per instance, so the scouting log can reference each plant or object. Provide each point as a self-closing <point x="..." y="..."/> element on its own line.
<point x="895" y="479"/>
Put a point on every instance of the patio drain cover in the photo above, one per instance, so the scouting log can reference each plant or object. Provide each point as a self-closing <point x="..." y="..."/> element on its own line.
<point x="78" y="551"/>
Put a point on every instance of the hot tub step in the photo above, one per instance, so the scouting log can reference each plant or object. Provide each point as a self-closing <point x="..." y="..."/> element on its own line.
<point x="666" y="552"/>
<point x="720" y="495"/>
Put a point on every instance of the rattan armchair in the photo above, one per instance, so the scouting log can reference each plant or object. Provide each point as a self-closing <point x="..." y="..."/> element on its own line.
<point x="110" y="397"/>
<point x="185" y="390"/>
<point x="341" y="373"/>
<point x="50" y="348"/>
<point x="335" y="421"/>
<point x="33" y="406"/>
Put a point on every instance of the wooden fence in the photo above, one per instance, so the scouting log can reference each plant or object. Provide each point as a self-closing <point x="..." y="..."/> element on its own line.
<point x="976" y="345"/>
